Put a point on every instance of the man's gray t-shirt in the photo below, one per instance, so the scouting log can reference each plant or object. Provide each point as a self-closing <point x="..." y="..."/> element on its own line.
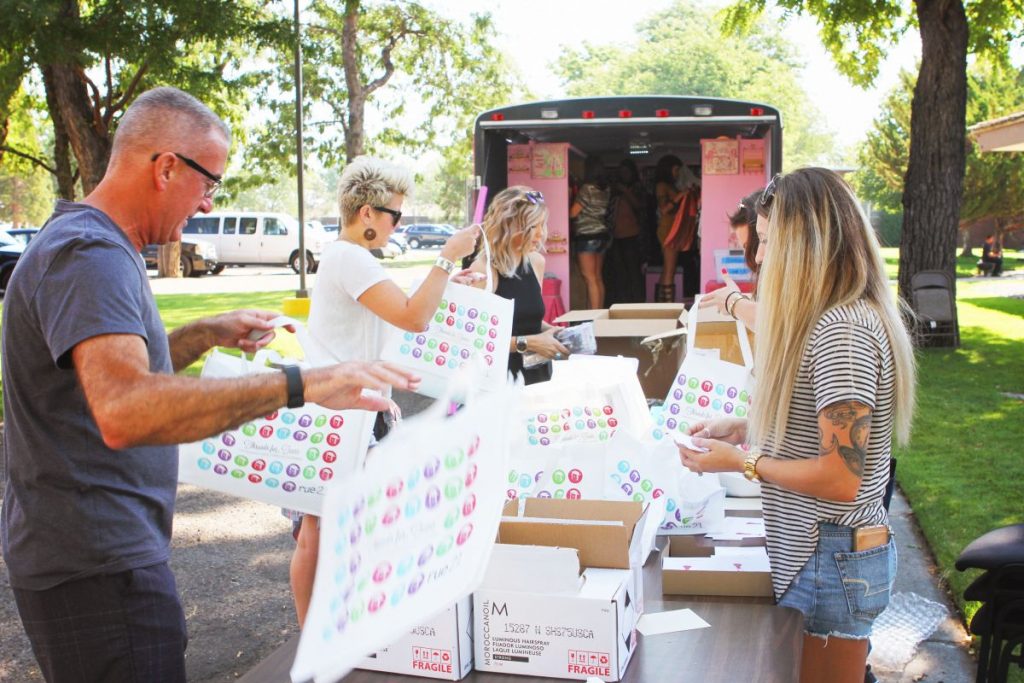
<point x="74" y="507"/>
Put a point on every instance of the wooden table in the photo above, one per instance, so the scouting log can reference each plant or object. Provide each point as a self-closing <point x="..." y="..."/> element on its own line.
<point x="750" y="640"/>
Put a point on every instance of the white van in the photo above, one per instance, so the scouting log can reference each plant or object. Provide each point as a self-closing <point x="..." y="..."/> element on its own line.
<point x="246" y="238"/>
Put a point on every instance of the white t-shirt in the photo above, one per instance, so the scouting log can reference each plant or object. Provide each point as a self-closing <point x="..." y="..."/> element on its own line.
<point x="344" y="328"/>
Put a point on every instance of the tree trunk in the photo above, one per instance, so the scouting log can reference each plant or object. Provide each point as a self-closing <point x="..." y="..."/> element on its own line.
<point x="88" y="135"/>
<point x="168" y="259"/>
<point x="61" y="143"/>
<point x="933" y="187"/>
<point x="355" y="136"/>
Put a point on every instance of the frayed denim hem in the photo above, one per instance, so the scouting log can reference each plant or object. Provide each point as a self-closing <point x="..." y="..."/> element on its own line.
<point x="834" y="634"/>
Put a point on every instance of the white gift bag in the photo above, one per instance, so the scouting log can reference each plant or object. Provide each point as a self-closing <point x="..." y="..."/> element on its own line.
<point x="287" y="458"/>
<point x="468" y="324"/>
<point x="588" y="399"/>
<point x="409" y="535"/>
<point x="706" y="387"/>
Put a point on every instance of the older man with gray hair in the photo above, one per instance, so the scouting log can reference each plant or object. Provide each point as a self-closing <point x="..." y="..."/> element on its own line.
<point x="93" y="406"/>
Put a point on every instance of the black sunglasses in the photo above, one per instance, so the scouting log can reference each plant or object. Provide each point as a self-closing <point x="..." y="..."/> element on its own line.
<point x="768" y="196"/>
<point x="395" y="215"/>
<point x="534" y="197"/>
<point x="215" y="180"/>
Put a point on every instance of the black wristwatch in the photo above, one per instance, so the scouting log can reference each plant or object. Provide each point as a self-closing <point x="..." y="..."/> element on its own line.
<point x="521" y="344"/>
<point x="296" y="392"/>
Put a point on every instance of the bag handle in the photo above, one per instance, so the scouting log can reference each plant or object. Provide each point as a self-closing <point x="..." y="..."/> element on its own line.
<point x="487" y="258"/>
<point x="741" y="332"/>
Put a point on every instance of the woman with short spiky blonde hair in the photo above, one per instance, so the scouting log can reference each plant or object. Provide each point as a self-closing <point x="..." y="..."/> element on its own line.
<point x="835" y="381"/>
<point x="355" y="304"/>
<point x="515" y="227"/>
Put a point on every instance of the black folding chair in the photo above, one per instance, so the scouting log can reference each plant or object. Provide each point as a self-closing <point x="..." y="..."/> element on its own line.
<point x="932" y="294"/>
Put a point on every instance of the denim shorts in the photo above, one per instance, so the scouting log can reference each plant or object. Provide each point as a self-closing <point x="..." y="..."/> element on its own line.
<point x="592" y="244"/>
<point x="841" y="592"/>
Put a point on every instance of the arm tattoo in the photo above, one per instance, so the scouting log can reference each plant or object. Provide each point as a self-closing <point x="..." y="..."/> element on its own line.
<point x="853" y="419"/>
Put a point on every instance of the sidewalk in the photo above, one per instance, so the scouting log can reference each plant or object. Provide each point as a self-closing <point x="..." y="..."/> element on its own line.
<point x="944" y="655"/>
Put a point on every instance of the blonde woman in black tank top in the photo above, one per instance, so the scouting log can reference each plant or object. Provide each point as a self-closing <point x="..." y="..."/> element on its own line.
<point x="516" y="226"/>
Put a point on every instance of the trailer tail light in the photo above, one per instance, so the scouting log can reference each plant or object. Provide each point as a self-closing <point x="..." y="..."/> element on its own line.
<point x="625" y="114"/>
<point x="497" y="117"/>
<point x="661" y="113"/>
<point x="587" y="114"/>
<point x="756" y="111"/>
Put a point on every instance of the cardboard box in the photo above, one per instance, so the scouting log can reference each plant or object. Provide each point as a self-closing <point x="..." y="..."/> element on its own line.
<point x="621" y="329"/>
<point x="589" y="633"/>
<point x="737" y="569"/>
<point x="563" y="590"/>
<point x="439" y="648"/>
<point x="617" y="537"/>
<point x="655" y="334"/>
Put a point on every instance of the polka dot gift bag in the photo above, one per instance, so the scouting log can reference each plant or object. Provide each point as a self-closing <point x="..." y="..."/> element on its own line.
<point x="706" y="387"/>
<point x="468" y="324"/>
<point x="286" y="458"/>
<point x="408" y="535"/>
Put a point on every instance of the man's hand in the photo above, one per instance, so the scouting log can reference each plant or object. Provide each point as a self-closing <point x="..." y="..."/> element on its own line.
<point x="246" y="329"/>
<point x="341" y="386"/>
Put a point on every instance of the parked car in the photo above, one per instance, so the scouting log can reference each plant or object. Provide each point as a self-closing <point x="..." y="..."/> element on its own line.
<point x="245" y="238"/>
<point x="23" y="235"/>
<point x="396" y="245"/>
<point x="10" y="252"/>
<point x="426" y="235"/>
<point x="198" y="257"/>
<point x="399" y="241"/>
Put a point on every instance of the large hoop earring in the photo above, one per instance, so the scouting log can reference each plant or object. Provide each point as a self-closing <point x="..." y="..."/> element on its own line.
<point x="369" y="234"/>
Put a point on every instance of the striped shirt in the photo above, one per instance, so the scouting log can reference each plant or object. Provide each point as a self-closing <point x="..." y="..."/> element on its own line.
<point x="847" y="358"/>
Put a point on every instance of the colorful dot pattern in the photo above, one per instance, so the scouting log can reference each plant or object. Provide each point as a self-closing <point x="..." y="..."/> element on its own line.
<point x="694" y="399"/>
<point x="577" y="423"/>
<point x="288" y="451"/>
<point x="455" y="334"/>
<point x="439" y="488"/>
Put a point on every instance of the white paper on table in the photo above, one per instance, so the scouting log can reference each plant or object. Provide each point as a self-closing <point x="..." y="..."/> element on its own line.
<point x="651" y="624"/>
<point x="742" y="503"/>
<point x="409" y="535"/>
<point x="724" y="560"/>
<point x="737" y="529"/>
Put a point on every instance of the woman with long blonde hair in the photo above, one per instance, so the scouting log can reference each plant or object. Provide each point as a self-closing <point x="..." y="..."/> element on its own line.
<point x="515" y="227"/>
<point x="835" y="376"/>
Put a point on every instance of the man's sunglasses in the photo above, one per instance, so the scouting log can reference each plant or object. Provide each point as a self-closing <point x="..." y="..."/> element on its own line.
<point x="395" y="215"/>
<point x="534" y="197"/>
<point x="214" y="180"/>
<point x="768" y="196"/>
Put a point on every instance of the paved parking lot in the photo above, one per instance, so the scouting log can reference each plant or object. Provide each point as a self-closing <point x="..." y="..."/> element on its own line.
<point x="406" y="269"/>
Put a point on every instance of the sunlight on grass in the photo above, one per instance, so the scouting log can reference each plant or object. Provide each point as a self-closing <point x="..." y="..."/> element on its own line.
<point x="967" y="435"/>
<point x="965" y="267"/>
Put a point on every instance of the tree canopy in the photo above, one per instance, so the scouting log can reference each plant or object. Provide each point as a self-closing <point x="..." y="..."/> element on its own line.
<point x="993" y="183"/>
<point x="94" y="56"/>
<point x="858" y="33"/>
<point x="682" y="51"/>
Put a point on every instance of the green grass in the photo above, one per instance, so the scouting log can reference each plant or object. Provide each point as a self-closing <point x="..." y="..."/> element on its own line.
<point x="178" y="309"/>
<point x="961" y="472"/>
<point x="965" y="266"/>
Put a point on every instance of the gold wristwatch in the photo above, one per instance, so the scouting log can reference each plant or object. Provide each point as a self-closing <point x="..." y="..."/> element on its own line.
<point x="750" y="466"/>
